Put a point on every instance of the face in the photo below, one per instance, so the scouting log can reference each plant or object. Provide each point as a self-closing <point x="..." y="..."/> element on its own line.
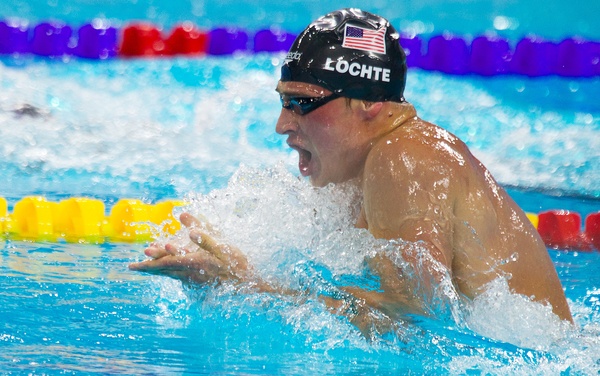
<point x="330" y="140"/>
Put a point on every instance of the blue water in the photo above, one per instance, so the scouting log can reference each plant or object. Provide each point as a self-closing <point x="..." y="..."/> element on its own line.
<point x="204" y="129"/>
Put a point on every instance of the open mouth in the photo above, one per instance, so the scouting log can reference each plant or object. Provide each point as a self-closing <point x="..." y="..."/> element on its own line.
<point x="304" y="158"/>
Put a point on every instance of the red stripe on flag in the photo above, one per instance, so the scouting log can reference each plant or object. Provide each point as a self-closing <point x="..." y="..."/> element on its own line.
<point x="370" y="40"/>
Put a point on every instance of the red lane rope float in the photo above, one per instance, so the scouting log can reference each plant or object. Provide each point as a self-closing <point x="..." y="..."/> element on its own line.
<point x="562" y="229"/>
<point x="485" y="55"/>
<point x="83" y="220"/>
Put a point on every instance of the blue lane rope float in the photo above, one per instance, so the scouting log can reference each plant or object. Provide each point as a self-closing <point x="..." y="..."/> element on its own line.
<point x="84" y="220"/>
<point x="486" y="55"/>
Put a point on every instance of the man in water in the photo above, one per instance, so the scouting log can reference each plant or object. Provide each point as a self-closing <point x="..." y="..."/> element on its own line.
<point x="344" y="112"/>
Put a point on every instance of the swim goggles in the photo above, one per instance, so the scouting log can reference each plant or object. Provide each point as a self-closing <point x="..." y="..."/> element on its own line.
<point x="304" y="105"/>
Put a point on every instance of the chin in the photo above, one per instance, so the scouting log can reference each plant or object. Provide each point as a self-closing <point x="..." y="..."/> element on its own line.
<point x="313" y="182"/>
<point x="316" y="182"/>
<point x="319" y="181"/>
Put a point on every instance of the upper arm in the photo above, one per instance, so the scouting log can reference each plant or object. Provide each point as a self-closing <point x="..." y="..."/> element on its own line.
<point x="408" y="194"/>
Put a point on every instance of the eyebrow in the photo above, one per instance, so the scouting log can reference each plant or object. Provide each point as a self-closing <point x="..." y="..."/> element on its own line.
<point x="293" y="92"/>
<point x="290" y="92"/>
<point x="297" y="90"/>
<point x="296" y="95"/>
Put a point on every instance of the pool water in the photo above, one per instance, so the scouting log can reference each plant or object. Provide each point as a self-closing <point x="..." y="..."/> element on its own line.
<point x="76" y="307"/>
<point x="203" y="129"/>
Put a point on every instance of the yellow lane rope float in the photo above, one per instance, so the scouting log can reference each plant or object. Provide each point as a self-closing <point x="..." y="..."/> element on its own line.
<point x="83" y="220"/>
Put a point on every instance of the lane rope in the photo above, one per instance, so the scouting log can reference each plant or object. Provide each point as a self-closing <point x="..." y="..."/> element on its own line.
<point x="85" y="220"/>
<point x="486" y="55"/>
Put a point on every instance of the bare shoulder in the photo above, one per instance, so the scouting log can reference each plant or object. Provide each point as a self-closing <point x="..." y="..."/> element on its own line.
<point x="419" y="148"/>
<point x="409" y="187"/>
<point x="413" y="172"/>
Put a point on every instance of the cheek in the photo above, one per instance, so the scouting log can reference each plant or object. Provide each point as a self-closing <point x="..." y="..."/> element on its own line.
<point x="325" y="138"/>
<point x="330" y="130"/>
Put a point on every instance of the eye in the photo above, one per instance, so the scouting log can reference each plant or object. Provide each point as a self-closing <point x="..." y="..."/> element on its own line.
<point x="285" y="101"/>
<point x="304" y="105"/>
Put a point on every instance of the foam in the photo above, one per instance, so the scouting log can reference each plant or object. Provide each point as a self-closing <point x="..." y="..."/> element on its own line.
<point x="303" y="237"/>
<point x="197" y="120"/>
<point x="136" y="121"/>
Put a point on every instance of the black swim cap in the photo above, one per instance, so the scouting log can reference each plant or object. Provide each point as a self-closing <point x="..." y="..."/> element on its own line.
<point x="350" y="52"/>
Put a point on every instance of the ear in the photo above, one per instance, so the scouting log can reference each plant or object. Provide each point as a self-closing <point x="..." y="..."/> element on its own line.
<point x="371" y="109"/>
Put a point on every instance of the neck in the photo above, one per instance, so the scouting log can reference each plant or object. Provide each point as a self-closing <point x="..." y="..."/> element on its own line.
<point x="389" y="117"/>
<point x="393" y="116"/>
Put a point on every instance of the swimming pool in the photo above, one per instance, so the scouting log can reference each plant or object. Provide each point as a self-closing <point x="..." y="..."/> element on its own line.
<point x="180" y="127"/>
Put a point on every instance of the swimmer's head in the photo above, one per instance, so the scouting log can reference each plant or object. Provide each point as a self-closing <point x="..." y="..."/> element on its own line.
<point x="352" y="53"/>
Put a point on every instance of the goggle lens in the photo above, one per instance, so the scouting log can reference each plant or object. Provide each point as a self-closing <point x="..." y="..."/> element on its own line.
<point x="304" y="105"/>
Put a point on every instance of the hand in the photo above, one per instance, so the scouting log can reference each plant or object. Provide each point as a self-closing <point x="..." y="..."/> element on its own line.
<point x="203" y="260"/>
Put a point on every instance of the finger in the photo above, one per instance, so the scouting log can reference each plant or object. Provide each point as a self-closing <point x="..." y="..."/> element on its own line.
<point x="185" y="275"/>
<point x="173" y="250"/>
<point x="176" y="250"/>
<point x="151" y="267"/>
<point x="199" y="269"/>
<point x="139" y="266"/>
<point x="226" y="254"/>
<point x="155" y="251"/>
<point x="189" y="220"/>
<point x="167" y="264"/>
<point x="205" y="241"/>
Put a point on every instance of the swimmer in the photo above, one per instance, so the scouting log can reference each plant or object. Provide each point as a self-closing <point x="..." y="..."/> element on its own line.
<point x="28" y="110"/>
<point x="344" y="112"/>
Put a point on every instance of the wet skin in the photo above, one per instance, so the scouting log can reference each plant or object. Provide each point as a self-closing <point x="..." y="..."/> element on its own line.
<point x="419" y="183"/>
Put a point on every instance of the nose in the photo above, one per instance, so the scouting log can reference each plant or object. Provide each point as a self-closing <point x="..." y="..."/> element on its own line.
<point x="286" y="122"/>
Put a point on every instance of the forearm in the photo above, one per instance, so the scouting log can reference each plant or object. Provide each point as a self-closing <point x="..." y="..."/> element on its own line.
<point x="394" y="305"/>
<point x="363" y="313"/>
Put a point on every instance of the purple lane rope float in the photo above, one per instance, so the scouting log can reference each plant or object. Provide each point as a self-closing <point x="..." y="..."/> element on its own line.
<point x="485" y="55"/>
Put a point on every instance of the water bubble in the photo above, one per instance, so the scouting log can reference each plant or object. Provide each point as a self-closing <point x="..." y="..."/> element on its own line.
<point x="573" y="86"/>
<point x="502" y="23"/>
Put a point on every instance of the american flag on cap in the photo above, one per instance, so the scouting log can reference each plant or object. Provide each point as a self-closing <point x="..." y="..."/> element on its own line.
<point x="365" y="39"/>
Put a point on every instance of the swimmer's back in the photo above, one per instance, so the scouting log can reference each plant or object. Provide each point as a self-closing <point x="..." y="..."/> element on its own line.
<point x="491" y="235"/>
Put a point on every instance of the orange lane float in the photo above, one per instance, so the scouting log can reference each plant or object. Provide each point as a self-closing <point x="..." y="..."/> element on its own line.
<point x="83" y="220"/>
